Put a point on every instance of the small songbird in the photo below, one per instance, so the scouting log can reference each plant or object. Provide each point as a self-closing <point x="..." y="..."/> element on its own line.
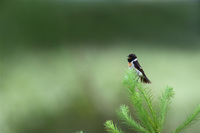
<point x="134" y="64"/>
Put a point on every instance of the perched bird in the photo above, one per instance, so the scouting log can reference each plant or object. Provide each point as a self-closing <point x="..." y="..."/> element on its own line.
<point x="134" y="64"/>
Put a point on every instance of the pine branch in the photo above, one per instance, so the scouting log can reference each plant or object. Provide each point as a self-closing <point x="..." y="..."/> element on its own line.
<point x="142" y="100"/>
<point x="137" y="94"/>
<point x="165" y="101"/>
<point x="189" y="120"/>
<point x="141" y="112"/>
<point x="130" y="81"/>
<point x="128" y="120"/>
<point x="111" y="128"/>
<point x="148" y="98"/>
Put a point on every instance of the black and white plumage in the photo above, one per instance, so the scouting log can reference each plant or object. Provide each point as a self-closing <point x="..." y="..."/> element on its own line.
<point x="134" y="64"/>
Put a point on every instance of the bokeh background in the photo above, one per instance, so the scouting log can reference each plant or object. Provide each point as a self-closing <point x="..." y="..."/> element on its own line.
<point x="63" y="63"/>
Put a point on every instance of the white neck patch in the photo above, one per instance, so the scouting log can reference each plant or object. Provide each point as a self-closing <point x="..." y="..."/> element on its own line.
<point x="135" y="60"/>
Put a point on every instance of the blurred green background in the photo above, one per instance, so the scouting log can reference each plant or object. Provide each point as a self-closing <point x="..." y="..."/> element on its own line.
<point x="62" y="63"/>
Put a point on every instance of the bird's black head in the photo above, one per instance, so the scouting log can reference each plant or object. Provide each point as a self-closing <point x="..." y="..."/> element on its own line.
<point x="131" y="57"/>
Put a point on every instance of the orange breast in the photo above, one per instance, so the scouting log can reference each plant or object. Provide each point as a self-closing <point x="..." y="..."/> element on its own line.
<point x="129" y="64"/>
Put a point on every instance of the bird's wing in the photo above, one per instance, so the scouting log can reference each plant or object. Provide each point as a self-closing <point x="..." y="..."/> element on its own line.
<point x="138" y="67"/>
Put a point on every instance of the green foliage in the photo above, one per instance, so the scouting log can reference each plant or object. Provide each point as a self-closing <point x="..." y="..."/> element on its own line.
<point x="150" y="120"/>
<point x="165" y="100"/>
<point x="190" y="119"/>
<point x="111" y="128"/>
<point x="128" y="120"/>
<point x="135" y="23"/>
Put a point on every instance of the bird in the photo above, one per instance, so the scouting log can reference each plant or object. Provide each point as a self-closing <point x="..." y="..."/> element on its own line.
<point x="134" y="64"/>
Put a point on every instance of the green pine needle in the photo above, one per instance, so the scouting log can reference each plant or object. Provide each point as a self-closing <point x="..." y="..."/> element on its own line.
<point x="193" y="117"/>
<point x="111" y="128"/>
<point x="123" y="113"/>
<point x="165" y="100"/>
<point x="140" y="97"/>
<point x="130" y="81"/>
<point x="148" y="101"/>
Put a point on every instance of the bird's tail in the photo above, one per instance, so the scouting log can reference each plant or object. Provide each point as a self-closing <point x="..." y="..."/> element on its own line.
<point x="145" y="80"/>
